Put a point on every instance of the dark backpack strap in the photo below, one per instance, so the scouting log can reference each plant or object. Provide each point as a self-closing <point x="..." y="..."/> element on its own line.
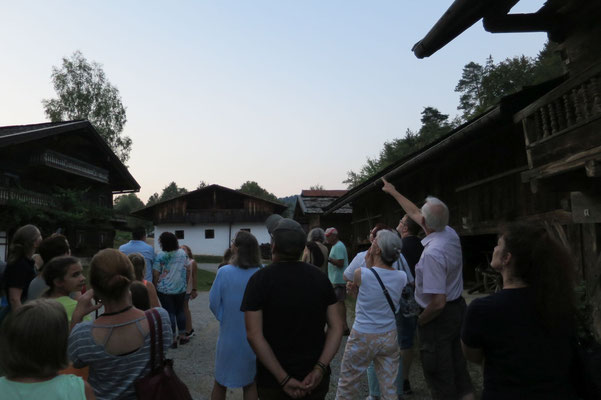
<point x="390" y="303"/>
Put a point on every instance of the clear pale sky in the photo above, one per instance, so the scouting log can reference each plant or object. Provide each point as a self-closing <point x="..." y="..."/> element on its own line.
<point x="285" y="93"/>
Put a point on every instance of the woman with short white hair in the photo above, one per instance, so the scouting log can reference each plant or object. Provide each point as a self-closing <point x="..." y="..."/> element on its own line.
<point x="374" y="333"/>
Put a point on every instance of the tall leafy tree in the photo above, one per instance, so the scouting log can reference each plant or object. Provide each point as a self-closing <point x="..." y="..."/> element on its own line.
<point x="127" y="203"/>
<point x="170" y="191"/>
<point x="254" y="189"/>
<point x="316" y="187"/>
<point x="84" y="92"/>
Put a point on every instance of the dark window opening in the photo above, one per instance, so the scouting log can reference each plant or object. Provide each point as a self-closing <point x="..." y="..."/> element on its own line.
<point x="209" y="234"/>
<point x="245" y="229"/>
<point x="179" y="234"/>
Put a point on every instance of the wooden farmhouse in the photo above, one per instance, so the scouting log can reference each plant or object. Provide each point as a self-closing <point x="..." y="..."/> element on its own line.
<point x="309" y="212"/>
<point x="61" y="177"/>
<point x="535" y="156"/>
<point x="207" y="219"/>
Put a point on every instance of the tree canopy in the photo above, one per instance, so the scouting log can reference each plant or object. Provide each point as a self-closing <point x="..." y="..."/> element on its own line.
<point x="253" y="188"/>
<point x="316" y="187"/>
<point x="434" y="125"/>
<point x="480" y="87"/>
<point x="84" y="92"/>
<point x="169" y="192"/>
<point x="127" y="203"/>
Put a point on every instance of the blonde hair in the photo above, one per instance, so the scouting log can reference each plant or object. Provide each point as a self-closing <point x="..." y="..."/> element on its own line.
<point x="34" y="338"/>
<point x="139" y="263"/>
<point x="111" y="273"/>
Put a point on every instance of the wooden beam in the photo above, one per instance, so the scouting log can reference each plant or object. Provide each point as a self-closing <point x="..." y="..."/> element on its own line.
<point x="491" y="178"/>
<point x="535" y="22"/>
<point x="566" y="164"/>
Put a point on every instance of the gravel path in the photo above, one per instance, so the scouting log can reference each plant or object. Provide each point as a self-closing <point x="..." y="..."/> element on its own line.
<point x="194" y="362"/>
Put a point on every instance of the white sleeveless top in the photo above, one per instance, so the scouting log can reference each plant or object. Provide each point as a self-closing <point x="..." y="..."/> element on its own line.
<point x="373" y="313"/>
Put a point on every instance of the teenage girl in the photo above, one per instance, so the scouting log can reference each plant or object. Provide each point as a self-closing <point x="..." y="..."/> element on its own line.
<point x="64" y="275"/>
<point x="139" y="264"/>
<point x="33" y="345"/>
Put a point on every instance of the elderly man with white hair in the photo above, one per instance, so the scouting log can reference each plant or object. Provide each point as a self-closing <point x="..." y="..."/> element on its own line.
<point x="438" y="290"/>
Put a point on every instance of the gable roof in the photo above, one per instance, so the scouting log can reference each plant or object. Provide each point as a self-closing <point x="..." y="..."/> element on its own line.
<point x="121" y="180"/>
<point x="147" y="212"/>
<point x="323" y="193"/>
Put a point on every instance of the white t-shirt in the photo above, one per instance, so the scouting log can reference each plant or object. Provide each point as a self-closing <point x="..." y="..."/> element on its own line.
<point x="372" y="312"/>
<point x="440" y="268"/>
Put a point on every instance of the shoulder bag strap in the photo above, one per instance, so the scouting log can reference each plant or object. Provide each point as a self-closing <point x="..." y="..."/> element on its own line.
<point x="159" y="329"/>
<point x="151" y="328"/>
<point x="390" y="303"/>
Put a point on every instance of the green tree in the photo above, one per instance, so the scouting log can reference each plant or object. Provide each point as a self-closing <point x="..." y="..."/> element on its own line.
<point x="127" y="203"/>
<point x="85" y="93"/>
<point x="316" y="187"/>
<point x="172" y="190"/>
<point x="434" y="125"/>
<point x="470" y="87"/>
<point x="153" y="199"/>
<point x="202" y="184"/>
<point x="253" y="188"/>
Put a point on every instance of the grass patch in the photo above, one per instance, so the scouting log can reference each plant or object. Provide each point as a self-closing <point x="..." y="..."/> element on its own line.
<point x="206" y="259"/>
<point x="204" y="280"/>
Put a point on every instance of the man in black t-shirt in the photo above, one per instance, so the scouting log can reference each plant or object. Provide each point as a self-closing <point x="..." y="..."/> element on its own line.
<point x="287" y="305"/>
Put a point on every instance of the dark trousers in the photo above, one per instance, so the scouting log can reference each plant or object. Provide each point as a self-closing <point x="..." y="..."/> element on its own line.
<point x="174" y="304"/>
<point x="445" y="368"/>
<point x="277" y="393"/>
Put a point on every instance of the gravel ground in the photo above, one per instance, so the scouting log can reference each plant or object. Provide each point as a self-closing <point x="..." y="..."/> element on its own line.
<point x="194" y="362"/>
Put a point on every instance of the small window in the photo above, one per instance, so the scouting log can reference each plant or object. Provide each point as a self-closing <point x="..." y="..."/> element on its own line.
<point x="245" y="229"/>
<point x="179" y="234"/>
<point x="209" y="234"/>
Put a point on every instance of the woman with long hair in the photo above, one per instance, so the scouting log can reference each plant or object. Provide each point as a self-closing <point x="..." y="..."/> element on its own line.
<point x="169" y="275"/>
<point x="234" y="359"/>
<point x="374" y="333"/>
<point x="139" y="263"/>
<point x="116" y="345"/>
<point x="523" y="333"/>
<point x="20" y="270"/>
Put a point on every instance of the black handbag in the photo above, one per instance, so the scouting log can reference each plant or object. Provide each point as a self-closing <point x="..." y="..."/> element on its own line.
<point x="161" y="382"/>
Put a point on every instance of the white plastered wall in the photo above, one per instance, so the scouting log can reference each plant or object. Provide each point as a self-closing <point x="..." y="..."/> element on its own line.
<point x="194" y="236"/>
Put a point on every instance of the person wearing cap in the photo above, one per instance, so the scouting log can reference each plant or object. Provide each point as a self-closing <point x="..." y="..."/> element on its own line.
<point x="287" y="306"/>
<point x="337" y="263"/>
<point x="438" y="291"/>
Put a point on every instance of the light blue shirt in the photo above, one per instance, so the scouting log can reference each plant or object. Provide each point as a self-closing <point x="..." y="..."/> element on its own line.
<point x="140" y="246"/>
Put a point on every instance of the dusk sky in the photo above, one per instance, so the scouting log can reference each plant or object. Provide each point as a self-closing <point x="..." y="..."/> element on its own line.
<point x="285" y="93"/>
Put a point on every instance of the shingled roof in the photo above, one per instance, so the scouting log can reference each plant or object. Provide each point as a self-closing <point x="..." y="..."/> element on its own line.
<point x="314" y="201"/>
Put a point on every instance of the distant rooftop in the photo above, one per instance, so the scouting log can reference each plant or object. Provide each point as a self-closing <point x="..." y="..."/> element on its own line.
<point x="323" y="193"/>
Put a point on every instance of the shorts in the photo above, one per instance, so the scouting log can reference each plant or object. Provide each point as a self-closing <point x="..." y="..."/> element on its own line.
<point x="408" y="326"/>
<point x="340" y="291"/>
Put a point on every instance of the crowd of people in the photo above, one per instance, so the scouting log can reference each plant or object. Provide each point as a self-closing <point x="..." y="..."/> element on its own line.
<point x="281" y="324"/>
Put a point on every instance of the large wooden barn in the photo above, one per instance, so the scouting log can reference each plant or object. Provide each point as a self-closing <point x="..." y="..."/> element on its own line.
<point x="535" y="156"/>
<point x="309" y="212"/>
<point x="60" y="176"/>
<point x="207" y="219"/>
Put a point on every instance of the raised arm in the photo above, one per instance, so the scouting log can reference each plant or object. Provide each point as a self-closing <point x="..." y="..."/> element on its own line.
<point x="407" y="205"/>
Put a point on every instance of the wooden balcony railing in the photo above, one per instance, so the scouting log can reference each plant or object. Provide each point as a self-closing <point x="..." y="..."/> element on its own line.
<point x="72" y="165"/>
<point x="25" y="196"/>
<point x="561" y="129"/>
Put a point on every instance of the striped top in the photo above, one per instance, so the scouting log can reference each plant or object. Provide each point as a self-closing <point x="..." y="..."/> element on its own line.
<point x="111" y="376"/>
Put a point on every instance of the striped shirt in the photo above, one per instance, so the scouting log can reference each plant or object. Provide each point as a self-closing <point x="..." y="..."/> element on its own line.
<point x="112" y="376"/>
